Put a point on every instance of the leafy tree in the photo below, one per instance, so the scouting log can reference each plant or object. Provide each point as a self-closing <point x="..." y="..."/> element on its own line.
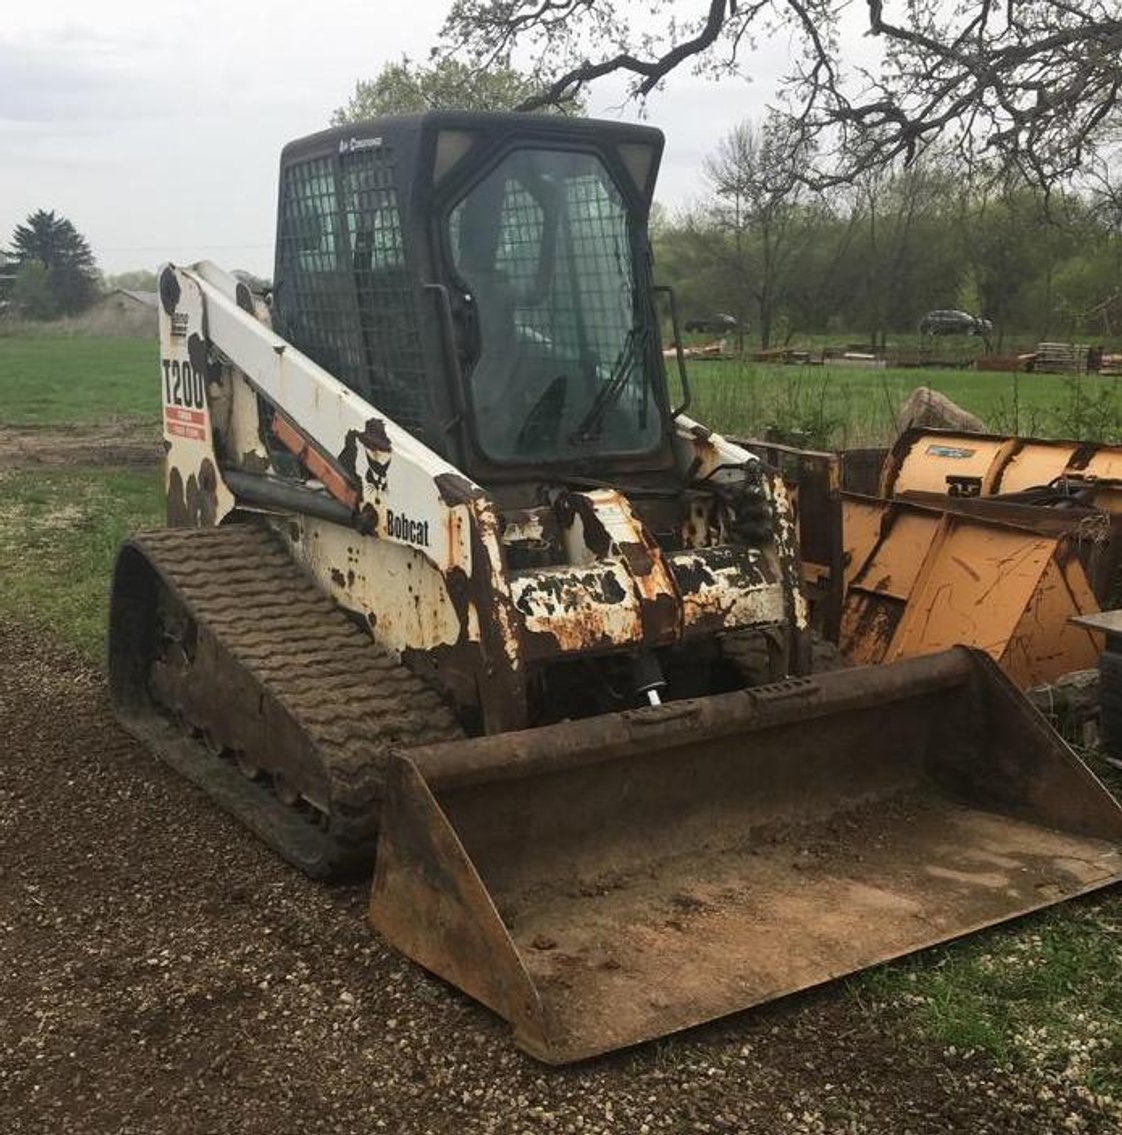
<point x="408" y="88"/>
<point x="71" y="270"/>
<point x="908" y="257"/>
<point x="690" y="253"/>
<point x="32" y="295"/>
<point x="1088" y="294"/>
<point x="1038" y="82"/>
<point x="138" y="280"/>
<point x="877" y="255"/>
<point x="1007" y="247"/>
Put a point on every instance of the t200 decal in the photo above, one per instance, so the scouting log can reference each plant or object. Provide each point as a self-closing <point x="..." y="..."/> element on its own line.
<point x="184" y="400"/>
<point x="183" y="384"/>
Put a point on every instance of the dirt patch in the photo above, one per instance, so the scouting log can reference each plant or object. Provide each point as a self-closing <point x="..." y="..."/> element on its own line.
<point x="116" y="444"/>
<point x="160" y="971"/>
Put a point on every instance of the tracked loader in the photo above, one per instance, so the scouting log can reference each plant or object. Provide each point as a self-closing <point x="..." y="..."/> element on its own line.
<point x="453" y="587"/>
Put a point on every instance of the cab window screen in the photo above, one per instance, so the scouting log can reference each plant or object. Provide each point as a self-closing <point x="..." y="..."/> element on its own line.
<point x="346" y="296"/>
<point x="543" y="244"/>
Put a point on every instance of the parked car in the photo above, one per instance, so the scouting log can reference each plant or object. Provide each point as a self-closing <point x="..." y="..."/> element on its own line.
<point x="954" y="323"/>
<point x="719" y="324"/>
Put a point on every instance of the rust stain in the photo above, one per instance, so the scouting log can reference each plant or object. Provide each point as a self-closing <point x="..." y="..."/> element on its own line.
<point x="965" y="567"/>
<point x="639" y="558"/>
<point x="456" y="489"/>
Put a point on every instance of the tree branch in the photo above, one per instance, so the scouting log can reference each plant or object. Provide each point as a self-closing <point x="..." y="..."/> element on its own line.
<point x="1035" y="82"/>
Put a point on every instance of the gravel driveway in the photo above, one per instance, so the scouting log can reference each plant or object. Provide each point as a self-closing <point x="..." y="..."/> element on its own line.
<point x="162" y="972"/>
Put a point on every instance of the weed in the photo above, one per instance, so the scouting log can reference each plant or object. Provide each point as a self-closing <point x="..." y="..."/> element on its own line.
<point x="807" y="413"/>
<point x="1090" y="409"/>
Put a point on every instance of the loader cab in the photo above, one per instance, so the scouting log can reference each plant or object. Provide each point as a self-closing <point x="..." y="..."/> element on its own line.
<point x="483" y="280"/>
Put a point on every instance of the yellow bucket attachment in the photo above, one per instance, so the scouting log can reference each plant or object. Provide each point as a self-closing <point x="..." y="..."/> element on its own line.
<point x="602" y="882"/>
<point x="920" y="579"/>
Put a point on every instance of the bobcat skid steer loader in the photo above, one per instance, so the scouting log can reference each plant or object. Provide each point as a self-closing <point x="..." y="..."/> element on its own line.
<point x="451" y="587"/>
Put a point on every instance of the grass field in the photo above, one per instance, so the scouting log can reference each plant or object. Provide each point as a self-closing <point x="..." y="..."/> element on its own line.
<point x="1042" y="998"/>
<point x="59" y="532"/>
<point x="839" y="407"/>
<point x="47" y="381"/>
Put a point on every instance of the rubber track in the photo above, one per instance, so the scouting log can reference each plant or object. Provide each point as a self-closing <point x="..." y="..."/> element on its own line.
<point x="351" y="697"/>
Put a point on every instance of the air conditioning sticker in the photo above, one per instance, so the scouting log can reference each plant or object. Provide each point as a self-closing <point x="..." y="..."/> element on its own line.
<point x="952" y="451"/>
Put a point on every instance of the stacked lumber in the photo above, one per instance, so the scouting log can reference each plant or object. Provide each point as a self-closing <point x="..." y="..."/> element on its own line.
<point x="1062" y="358"/>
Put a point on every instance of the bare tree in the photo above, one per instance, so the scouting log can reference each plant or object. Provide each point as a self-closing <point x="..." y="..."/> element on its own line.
<point x="1102" y="290"/>
<point x="1036" y="81"/>
<point x="755" y="174"/>
<point x="1103" y="179"/>
<point x="895" y="207"/>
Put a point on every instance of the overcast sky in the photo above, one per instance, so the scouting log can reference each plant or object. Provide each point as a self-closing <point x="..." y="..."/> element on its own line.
<point x="157" y="130"/>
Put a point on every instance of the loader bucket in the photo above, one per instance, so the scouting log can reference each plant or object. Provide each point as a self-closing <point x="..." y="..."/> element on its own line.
<point x="606" y="881"/>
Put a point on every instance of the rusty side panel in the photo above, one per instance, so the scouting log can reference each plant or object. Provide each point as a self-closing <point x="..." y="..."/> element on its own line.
<point x="796" y="613"/>
<point x="483" y="598"/>
<point x="486" y="596"/>
<point x="726" y="588"/>
<point x="578" y="610"/>
<point x="502" y="685"/>
<point x="813" y="483"/>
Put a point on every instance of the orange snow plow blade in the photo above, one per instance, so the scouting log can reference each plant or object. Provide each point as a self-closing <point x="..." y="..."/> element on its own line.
<point x="920" y="579"/>
<point x="605" y="881"/>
